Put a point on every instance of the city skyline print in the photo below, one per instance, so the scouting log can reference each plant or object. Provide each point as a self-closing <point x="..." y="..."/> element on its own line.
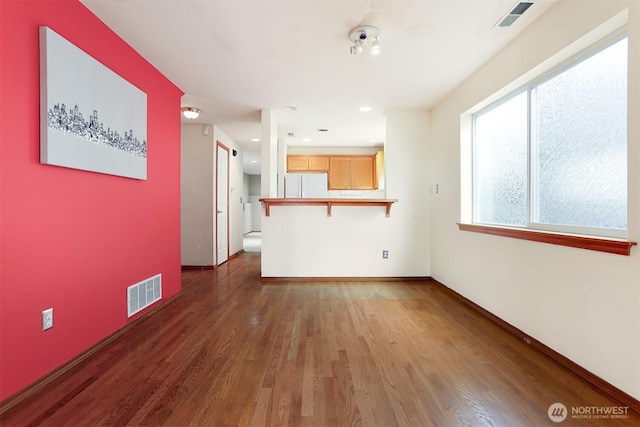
<point x="91" y="118"/>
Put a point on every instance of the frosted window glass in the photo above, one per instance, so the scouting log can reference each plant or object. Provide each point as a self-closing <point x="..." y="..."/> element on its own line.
<point x="579" y="143"/>
<point x="500" y="164"/>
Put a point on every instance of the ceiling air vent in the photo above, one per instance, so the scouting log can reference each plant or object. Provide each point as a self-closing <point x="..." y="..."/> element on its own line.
<point x="515" y="13"/>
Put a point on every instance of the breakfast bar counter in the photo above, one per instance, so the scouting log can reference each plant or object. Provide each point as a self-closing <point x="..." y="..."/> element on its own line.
<point x="329" y="203"/>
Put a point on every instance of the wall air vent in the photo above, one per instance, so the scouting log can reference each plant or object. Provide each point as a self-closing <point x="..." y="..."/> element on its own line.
<point x="515" y="13"/>
<point x="143" y="294"/>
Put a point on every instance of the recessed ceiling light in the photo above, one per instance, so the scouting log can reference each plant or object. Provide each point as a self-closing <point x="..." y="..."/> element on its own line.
<point x="254" y="161"/>
<point x="323" y="130"/>
<point x="365" y="109"/>
<point x="255" y="139"/>
<point x="290" y="108"/>
<point x="373" y="140"/>
<point x="306" y="139"/>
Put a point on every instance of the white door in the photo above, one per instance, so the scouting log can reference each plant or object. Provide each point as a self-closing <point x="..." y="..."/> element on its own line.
<point x="222" y="202"/>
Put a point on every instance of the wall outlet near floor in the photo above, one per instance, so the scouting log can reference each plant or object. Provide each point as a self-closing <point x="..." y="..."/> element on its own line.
<point x="385" y="254"/>
<point x="47" y="319"/>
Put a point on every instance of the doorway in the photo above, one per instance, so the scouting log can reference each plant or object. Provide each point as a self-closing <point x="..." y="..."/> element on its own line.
<point x="252" y="242"/>
<point x="222" y="203"/>
<point x="252" y="236"/>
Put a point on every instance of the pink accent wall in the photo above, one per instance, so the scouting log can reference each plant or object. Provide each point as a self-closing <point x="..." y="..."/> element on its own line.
<point x="70" y="239"/>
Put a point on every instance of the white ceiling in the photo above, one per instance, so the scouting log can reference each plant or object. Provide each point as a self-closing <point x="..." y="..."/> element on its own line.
<point x="234" y="58"/>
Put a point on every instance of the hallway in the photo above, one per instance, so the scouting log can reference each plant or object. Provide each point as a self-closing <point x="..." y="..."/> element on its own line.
<point x="252" y="242"/>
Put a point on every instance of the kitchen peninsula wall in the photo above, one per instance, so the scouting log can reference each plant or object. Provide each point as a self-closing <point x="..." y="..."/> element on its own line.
<point x="303" y="242"/>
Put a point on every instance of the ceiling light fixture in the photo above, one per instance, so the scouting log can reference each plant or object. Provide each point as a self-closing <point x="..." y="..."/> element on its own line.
<point x="360" y="35"/>
<point x="255" y="139"/>
<point x="290" y="108"/>
<point x="191" y="112"/>
<point x="364" y="109"/>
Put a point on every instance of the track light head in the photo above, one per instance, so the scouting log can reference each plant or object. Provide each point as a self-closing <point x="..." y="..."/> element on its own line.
<point x="375" y="47"/>
<point x="355" y="49"/>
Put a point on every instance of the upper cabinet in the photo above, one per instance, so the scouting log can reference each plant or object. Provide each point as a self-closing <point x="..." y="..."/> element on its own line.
<point x="319" y="163"/>
<point x="307" y="163"/>
<point x="379" y="175"/>
<point x="340" y="173"/>
<point x="346" y="172"/>
<point x="352" y="173"/>
<point x="297" y="163"/>
<point x="363" y="173"/>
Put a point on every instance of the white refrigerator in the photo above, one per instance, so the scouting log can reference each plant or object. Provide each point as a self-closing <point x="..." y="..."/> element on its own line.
<point x="305" y="185"/>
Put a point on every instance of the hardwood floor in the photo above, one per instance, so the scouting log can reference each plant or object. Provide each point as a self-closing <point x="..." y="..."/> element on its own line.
<point x="232" y="352"/>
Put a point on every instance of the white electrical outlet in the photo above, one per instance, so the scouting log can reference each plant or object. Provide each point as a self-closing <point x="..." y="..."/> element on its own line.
<point x="47" y="319"/>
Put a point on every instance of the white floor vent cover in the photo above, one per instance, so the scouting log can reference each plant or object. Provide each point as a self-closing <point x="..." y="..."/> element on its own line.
<point x="143" y="294"/>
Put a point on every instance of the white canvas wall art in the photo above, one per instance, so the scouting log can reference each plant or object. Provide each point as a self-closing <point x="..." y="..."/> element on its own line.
<point x="91" y="118"/>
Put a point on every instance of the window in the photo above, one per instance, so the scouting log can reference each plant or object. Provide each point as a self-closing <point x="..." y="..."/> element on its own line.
<point x="553" y="155"/>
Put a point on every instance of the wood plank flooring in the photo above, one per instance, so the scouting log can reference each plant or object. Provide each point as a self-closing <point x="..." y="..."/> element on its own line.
<point x="233" y="352"/>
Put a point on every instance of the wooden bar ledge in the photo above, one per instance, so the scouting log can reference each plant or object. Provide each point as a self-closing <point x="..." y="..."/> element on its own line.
<point x="329" y="203"/>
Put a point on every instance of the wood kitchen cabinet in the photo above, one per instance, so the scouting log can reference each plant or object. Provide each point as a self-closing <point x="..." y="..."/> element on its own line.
<point x="352" y="173"/>
<point x="319" y="163"/>
<point x="346" y="172"/>
<point x="362" y="173"/>
<point x="339" y="173"/>
<point x="297" y="163"/>
<point x="307" y="163"/>
<point x="379" y="175"/>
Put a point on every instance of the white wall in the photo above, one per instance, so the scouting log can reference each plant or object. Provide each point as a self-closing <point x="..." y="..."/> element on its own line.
<point x="255" y="186"/>
<point x="196" y="196"/>
<point x="269" y="154"/>
<point x="583" y="304"/>
<point x="245" y="186"/>
<point x="296" y="149"/>
<point x="407" y="154"/>
<point x="246" y="205"/>
<point x="299" y="241"/>
<point x="236" y="184"/>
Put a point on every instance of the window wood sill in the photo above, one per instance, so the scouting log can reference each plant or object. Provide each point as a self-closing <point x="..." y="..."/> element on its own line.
<point x="619" y="247"/>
